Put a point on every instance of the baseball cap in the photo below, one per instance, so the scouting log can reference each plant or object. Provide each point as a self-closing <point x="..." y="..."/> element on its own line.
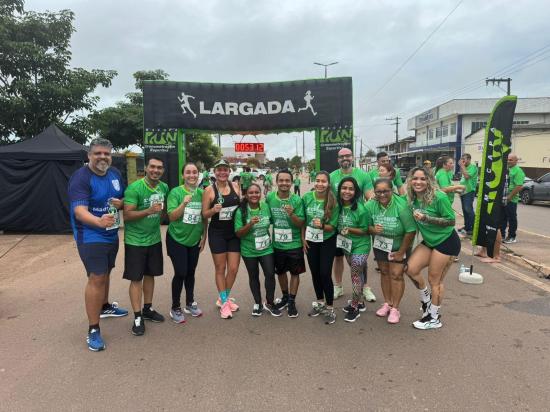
<point x="221" y="162"/>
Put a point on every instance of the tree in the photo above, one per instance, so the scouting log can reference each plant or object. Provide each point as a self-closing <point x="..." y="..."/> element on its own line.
<point x="122" y="124"/>
<point x="278" y="164"/>
<point x="252" y="162"/>
<point x="296" y="162"/>
<point x="37" y="85"/>
<point x="200" y="148"/>
<point x="311" y="165"/>
<point x="370" y="153"/>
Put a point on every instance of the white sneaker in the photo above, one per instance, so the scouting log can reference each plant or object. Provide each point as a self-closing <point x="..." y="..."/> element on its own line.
<point x="427" y="322"/>
<point x="338" y="291"/>
<point x="369" y="296"/>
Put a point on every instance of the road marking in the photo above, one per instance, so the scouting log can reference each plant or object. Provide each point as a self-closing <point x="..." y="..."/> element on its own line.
<point x="533" y="233"/>
<point x="527" y="279"/>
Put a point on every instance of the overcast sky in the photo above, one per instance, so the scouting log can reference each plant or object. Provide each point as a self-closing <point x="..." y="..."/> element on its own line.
<point x="259" y="41"/>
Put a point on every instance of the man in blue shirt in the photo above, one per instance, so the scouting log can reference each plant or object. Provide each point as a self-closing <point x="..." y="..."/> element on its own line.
<point x="95" y="195"/>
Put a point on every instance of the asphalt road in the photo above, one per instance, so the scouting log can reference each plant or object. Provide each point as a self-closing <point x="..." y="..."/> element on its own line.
<point x="535" y="218"/>
<point x="491" y="354"/>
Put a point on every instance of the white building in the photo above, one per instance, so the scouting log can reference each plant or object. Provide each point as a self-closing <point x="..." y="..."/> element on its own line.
<point x="443" y="129"/>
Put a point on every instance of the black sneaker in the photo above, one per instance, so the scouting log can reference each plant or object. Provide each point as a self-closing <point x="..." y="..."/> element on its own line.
<point x="152" y="315"/>
<point x="361" y="307"/>
<point x="257" y="310"/>
<point x="425" y="309"/>
<point x="138" y="328"/>
<point x="281" y="303"/>
<point x="291" y="310"/>
<point x="352" y="315"/>
<point x="271" y="308"/>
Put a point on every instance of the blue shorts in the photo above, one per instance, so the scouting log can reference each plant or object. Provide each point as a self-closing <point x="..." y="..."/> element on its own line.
<point x="98" y="258"/>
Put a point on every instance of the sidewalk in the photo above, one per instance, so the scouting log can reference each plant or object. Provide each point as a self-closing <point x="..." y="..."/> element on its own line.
<point x="532" y="251"/>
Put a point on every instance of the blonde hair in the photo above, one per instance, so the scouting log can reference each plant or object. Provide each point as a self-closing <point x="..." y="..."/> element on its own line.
<point x="428" y="196"/>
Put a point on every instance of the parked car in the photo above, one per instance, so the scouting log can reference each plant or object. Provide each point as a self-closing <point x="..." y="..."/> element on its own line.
<point x="538" y="189"/>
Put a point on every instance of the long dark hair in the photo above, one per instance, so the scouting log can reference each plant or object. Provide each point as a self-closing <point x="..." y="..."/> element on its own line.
<point x="356" y="196"/>
<point x="330" y="200"/>
<point x="244" y="203"/>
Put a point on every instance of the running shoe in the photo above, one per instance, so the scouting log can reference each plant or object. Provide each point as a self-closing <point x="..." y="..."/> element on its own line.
<point x="113" y="311"/>
<point x="509" y="240"/>
<point x="234" y="307"/>
<point x="427" y="322"/>
<point x="152" y="315"/>
<point x="177" y="315"/>
<point x="193" y="309"/>
<point x="316" y="309"/>
<point x="281" y="303"/>
<point x="369" y="296"/>
<point x="271" y="308"/>
<point x="225" y="311"/>
<point x="94" y="340"/>
<point x="361" y="307"/>
<point x="330" y="316"/>
<point x="352" y="315"/>
<point x="338" y="291"/>
<point x="219" y="302"/>
<point x="394" y="316"/>
<point x="461" y="232"/>
<point x="138" y="328"/>
<point x="384" y="310"/>
<point x="291" y="310"/>
<point x="425" y="308"/>
<point x="257" y="310"/>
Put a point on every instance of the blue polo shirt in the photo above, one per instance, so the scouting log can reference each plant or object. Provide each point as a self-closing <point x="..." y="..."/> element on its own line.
<point x="94" y="191"/>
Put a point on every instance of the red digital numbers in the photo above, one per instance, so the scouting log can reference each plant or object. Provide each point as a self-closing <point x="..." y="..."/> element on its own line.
<point x="249" y="147"/>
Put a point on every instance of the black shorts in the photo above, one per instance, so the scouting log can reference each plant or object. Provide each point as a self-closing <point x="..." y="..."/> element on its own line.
<point x="450" y="246"/>
<point x="221" y="241"/>
<point x="142" y="260"/>
<point x="381" y="256"/>
<point x="339" y="252"/>
<point x="291" y="260"/>
<point x="98" y="258"/>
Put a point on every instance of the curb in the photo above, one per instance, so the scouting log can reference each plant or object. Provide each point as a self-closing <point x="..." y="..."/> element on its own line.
<point x="541" y="270"/>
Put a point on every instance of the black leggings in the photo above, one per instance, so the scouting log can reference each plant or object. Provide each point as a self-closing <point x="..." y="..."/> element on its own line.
<point x="268" y="266"/>
<point x="184" y="259"/>
<point x="320" y="257"/>
<point x="297" y="190"/>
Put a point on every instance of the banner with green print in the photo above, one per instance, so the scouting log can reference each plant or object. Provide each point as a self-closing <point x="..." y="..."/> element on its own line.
<point x="493" y="173"/>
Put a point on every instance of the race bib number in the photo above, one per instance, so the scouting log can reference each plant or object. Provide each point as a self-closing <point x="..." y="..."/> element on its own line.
<point x="283" y="235"/>
<point x="344" y="243"/>
<point x="157" y="198"/>
<point x="227" y="212"/>
<point x="314" y="234"/>
<point x="191" y="216"/>
<point x="262" y="242"/>
<point x="117" y="221"/>
<point x="383" y="243"/>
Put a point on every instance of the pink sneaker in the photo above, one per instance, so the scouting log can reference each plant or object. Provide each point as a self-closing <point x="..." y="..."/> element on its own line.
<point x="384" y="310"/>
<point x="394" y="316"/>
<point x="234" y="307"/>
<point x="225" y="311"/>
<point x="232" y="300"/>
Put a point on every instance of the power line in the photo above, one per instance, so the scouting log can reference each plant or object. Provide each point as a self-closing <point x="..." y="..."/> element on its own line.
<point x="417" y="50"/>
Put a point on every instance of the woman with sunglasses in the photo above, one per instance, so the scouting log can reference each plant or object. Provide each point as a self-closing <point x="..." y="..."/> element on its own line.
<point x="354" y="240"/>
<point x="319" y="240"/>
<point x="219" y="203"/>
<point x="435" y="219"/>
<point x="252" y="222"/>
<point x="393" y="228"/>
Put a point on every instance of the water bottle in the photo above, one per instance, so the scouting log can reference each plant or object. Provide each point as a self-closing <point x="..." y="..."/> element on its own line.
<point x="463" y="269"/>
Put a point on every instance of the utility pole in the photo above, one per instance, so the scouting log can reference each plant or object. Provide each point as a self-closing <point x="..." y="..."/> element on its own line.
<point x="396" y="123"/>
<point x="325" y="66"/>
<point x="508" y="81"/>
<point x="303" y="146"/>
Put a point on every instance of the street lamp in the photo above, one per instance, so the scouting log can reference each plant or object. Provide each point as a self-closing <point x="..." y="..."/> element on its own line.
<point x="325" y="66"/>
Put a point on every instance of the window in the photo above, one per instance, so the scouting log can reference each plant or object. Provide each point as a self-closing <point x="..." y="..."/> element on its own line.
<point x="453" y="129"/>
<point x="545" y="178"/>
<point x="438" y="132"/>
<point x="431" y="134"/>
<point x="478" y="126"/>
<point x="445" y="130"/>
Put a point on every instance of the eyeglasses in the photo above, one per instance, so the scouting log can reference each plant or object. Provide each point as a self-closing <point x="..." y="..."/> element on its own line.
<point x="381" y="192"/>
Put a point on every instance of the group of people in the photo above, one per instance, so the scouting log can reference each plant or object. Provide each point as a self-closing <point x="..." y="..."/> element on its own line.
<point x="348" y="213"/>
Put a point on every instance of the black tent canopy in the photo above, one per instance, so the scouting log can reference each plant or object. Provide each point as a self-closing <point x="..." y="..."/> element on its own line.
<point x="34" y="175"/>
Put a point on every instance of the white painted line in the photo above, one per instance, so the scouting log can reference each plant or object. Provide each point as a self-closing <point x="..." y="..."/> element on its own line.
<point x="533" y="233"/>
<point x="527" y="279"/>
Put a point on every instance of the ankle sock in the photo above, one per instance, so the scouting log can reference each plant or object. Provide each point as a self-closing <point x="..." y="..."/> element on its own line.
<point x="137" y="314"/>
<point x="147" y="307"/>
<point x="425" y="296"/>
<point x="96" y="327"/>
<point x="434" y="311"/>
<point x="106" y="306"/>
<point x="223" y="296"/>
<point x="291" y="297"/>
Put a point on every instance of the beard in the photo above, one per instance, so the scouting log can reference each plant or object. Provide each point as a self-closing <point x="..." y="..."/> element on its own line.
<point x="102" y="166"/>
<point x="345" y="164"/>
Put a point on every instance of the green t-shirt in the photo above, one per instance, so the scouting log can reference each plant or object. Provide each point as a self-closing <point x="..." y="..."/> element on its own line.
<point x="363" y="179"/>
<point x="205" y="178"/>
<point x="282" y="222"/>
<point x="396" y="218"/>
<point x="188" y="229"/>
<point x="516" y="177"/>
<point x="444" y="178"/>
<point x="257" y="242"/>
<point x="315" y="208"/>
<point x="145" y="231"/>
<point x="297" y="182"/>
<point x="312" y="174"/>
<point x="432" y="234"/>
<point x="358" y="219"/>
<point x="269" y="179"/>
<point x="246" y="179"/>
<point x="397" y="181"/>
<point x="471" y="182"/>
